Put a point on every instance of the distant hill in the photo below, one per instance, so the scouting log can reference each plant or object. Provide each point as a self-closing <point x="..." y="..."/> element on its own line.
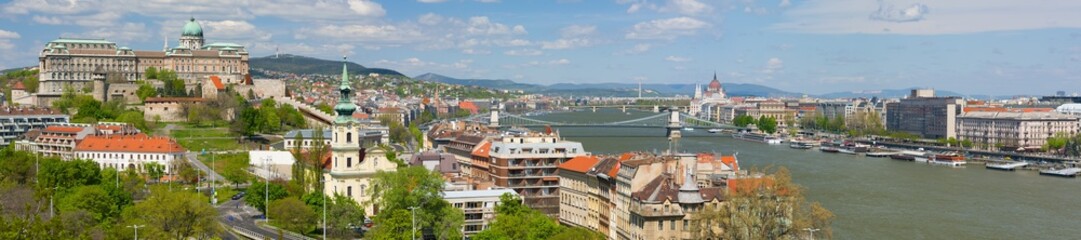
<point x="886" y="93"/>
<point x="608" y="89"/>
<point x="308" y="65"/>
<point x="501" y="84"/>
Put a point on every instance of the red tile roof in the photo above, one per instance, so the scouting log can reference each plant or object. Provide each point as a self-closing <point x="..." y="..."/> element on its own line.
<point x="467" y="105"/>
<point x="18" y="86"/>
<point x="217" y="83"/>
<point x="483" y="150"/>
<point x="731" y="162"/>
<point x="63" y="129"/>
<point x="580" y="164"/>
<point x="129" y="143"/>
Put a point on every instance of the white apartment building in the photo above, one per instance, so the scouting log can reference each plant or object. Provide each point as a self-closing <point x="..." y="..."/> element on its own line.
<point x="1013" y="129"/>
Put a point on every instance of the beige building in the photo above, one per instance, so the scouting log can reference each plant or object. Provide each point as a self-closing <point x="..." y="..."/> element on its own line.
<point x="73" y="62"/>
<point x="585" y="189"/>
<point x="656" y="196"/>
<point x="1013" y="129"/>
<point x="167" y="109"/>
<point x="769" y="108"/>
<point x="477" y="205"/>
<point x="527" y="162"/>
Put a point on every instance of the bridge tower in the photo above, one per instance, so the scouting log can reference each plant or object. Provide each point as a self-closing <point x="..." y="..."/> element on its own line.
<point x="594" y="108"/>
<point x="624" y="108"/>
<point x="493" y="117"/>
<point x="656" y="109"/>
<point x="674" y="124"/>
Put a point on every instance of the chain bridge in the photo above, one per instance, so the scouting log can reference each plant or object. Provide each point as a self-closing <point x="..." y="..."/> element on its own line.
<point x="673" y="118"/>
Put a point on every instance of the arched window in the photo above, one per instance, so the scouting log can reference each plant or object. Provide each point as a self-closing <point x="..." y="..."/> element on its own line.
<point x="349" y="137"/>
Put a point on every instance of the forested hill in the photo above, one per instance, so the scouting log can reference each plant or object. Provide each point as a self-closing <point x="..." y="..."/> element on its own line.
<point x="301" y="65"/>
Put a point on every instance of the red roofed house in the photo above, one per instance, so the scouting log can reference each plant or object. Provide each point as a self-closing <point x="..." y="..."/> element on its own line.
<point x="661" y="193"/>
<point x="130" y="151"/>
<point x="212" y="86"/>
<point x="587" y="184"/>
<point x="18" y="92"/>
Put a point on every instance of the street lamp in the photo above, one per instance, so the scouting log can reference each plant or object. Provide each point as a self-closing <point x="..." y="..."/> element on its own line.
<point x="812" y="231"/>
<point x="136" y="227"/>
<point x="52" y="213"/>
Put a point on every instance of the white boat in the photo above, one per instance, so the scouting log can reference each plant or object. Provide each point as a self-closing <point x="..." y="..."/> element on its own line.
<point x="800" y="145"/>
<point x="715" y="130"/>
<point x="757" y="137"/>
<point x="952" y="160"/>
<point x="688" y="129"/>
<point x="846" y="150"/>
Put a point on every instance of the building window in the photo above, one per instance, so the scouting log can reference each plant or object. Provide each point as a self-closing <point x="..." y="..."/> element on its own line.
<point x="349" y="137"/>
<point x="684" y="224"/>
<point x="348" y="162"/>
<point x="349" y="191"/>
<point x="672" y="225"/>
<point x="660" y="225"/>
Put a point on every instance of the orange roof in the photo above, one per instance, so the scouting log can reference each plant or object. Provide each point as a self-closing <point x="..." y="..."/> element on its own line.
<point x="217" y="83"/>
<point x="19" y="86"/>
<point x="626" y="156"/>
<point x="467" y="105"/>
<point x="730" y="161"/>
<point x="705" y="157"/>
<point x="615" y="169"/>
<point x="483" y="150"/>
<point x="580" y="164"/>
<point x="360" y="115"/>
<point x="63" y="129"/>
<point x="129" y="143"/>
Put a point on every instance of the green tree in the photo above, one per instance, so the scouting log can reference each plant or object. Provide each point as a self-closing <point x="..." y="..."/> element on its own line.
<point x="418" y="136"/>
<point x="256" y="196"/>
<point x="151" y="73"/>
<point x="93" y="199"/>
<point x="17" y="166"/>
<point x="293" y="215"/>
<point x="743" y="120"/>
<point x="154" y="170"/>
<point x="407" y="187"/>
<point x="767" y="124"/>
<point x="325" y="108"/>
<point x="135" y="118"/>
<point x="68" y="174"/>
<point x="173" y="214"/>
<point x="346" y="213"/>
<point x="577" y="233"/>
<point x="514" y="220"/>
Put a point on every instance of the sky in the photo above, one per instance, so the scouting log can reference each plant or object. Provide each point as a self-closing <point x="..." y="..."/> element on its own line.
<point x="1000" y="47"/>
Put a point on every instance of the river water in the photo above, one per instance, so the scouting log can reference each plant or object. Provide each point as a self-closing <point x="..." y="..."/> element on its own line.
<point x="877" y="198"/>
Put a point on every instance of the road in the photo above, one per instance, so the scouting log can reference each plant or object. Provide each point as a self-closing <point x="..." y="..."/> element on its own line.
<point x="194" y="160"/>
<point x="241" y="217"/>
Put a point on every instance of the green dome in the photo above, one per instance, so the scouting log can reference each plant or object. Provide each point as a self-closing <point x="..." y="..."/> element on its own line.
<point x="192" y="29"/>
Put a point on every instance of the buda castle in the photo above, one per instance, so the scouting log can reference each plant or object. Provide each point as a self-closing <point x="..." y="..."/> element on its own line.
<point x="85" y="63"/>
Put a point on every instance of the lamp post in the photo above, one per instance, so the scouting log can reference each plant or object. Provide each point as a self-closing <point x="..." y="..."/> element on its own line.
<point x="266" y="207"/>
<point x="136" y="227"/>
<point x="52" y="213"/>
<point x="322" y="181"/>
<point x="812" y="231"/>
<point x="413" y="210"/>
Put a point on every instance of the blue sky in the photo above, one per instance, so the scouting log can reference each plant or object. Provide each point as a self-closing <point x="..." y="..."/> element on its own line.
<point x="997" y="47"/>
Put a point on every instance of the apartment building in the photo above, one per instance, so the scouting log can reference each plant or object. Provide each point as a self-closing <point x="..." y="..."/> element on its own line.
<point x="1013" y="130"/>
<point x="478" y="207"/>
<point x="527" y="163"/>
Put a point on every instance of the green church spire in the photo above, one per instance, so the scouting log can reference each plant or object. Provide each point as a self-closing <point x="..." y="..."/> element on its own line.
<point x="345" y="106"/>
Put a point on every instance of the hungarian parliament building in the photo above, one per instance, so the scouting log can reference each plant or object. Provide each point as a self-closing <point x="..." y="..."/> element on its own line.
<point x="77" y="63"/>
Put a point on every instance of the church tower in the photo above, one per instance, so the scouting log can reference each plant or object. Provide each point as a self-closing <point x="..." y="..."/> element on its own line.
<point x="352" y="164"/>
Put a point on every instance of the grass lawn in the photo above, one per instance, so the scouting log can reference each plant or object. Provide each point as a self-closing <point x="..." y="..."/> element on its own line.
<point x="228" y="165"/>
<point x="198" y="139"/>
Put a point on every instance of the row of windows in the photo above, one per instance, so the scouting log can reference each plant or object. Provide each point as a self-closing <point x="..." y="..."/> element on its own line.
<point x="155" y="156"/>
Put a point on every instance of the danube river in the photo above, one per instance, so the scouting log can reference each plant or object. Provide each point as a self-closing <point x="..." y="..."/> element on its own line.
<point x="878" y="198"/>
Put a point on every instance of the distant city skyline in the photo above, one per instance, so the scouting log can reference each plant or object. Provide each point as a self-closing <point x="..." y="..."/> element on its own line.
<point x="996" y="47"/>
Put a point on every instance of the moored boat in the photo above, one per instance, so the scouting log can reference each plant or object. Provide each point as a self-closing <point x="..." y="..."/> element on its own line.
<point x="800" y="145"/>
<point x="715" y="130"/>
<point x="951" y="159"/>
<point x="757" y="137"/>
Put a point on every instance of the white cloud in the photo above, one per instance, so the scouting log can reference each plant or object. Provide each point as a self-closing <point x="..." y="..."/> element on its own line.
<point x="367" y="8"/>
<point x="430" y="19"/>
<point x="567" y="43"/>
<point x="785" y="3"/>
<point x="666" y="28"/>
<point x="773" y="65"/>
<point x="471" y="51"/>
<point x="126" y="32"/>
<point x="481" y="25"/>
<point x="367" y="33"/>
<point x="890" y="13"/>
<point x="950" y="16"/>
<point x="556" y="62"/>
<point x="577" y="30"/>
<point x="523" y="52"/>
<point x="47" y="20"/>
<point x="686" y="7"/>
<point x="638" y="48"/>
<point x="8" y="34"/>
<point x="677" y="59"/>
<point x="230" y="29"/>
